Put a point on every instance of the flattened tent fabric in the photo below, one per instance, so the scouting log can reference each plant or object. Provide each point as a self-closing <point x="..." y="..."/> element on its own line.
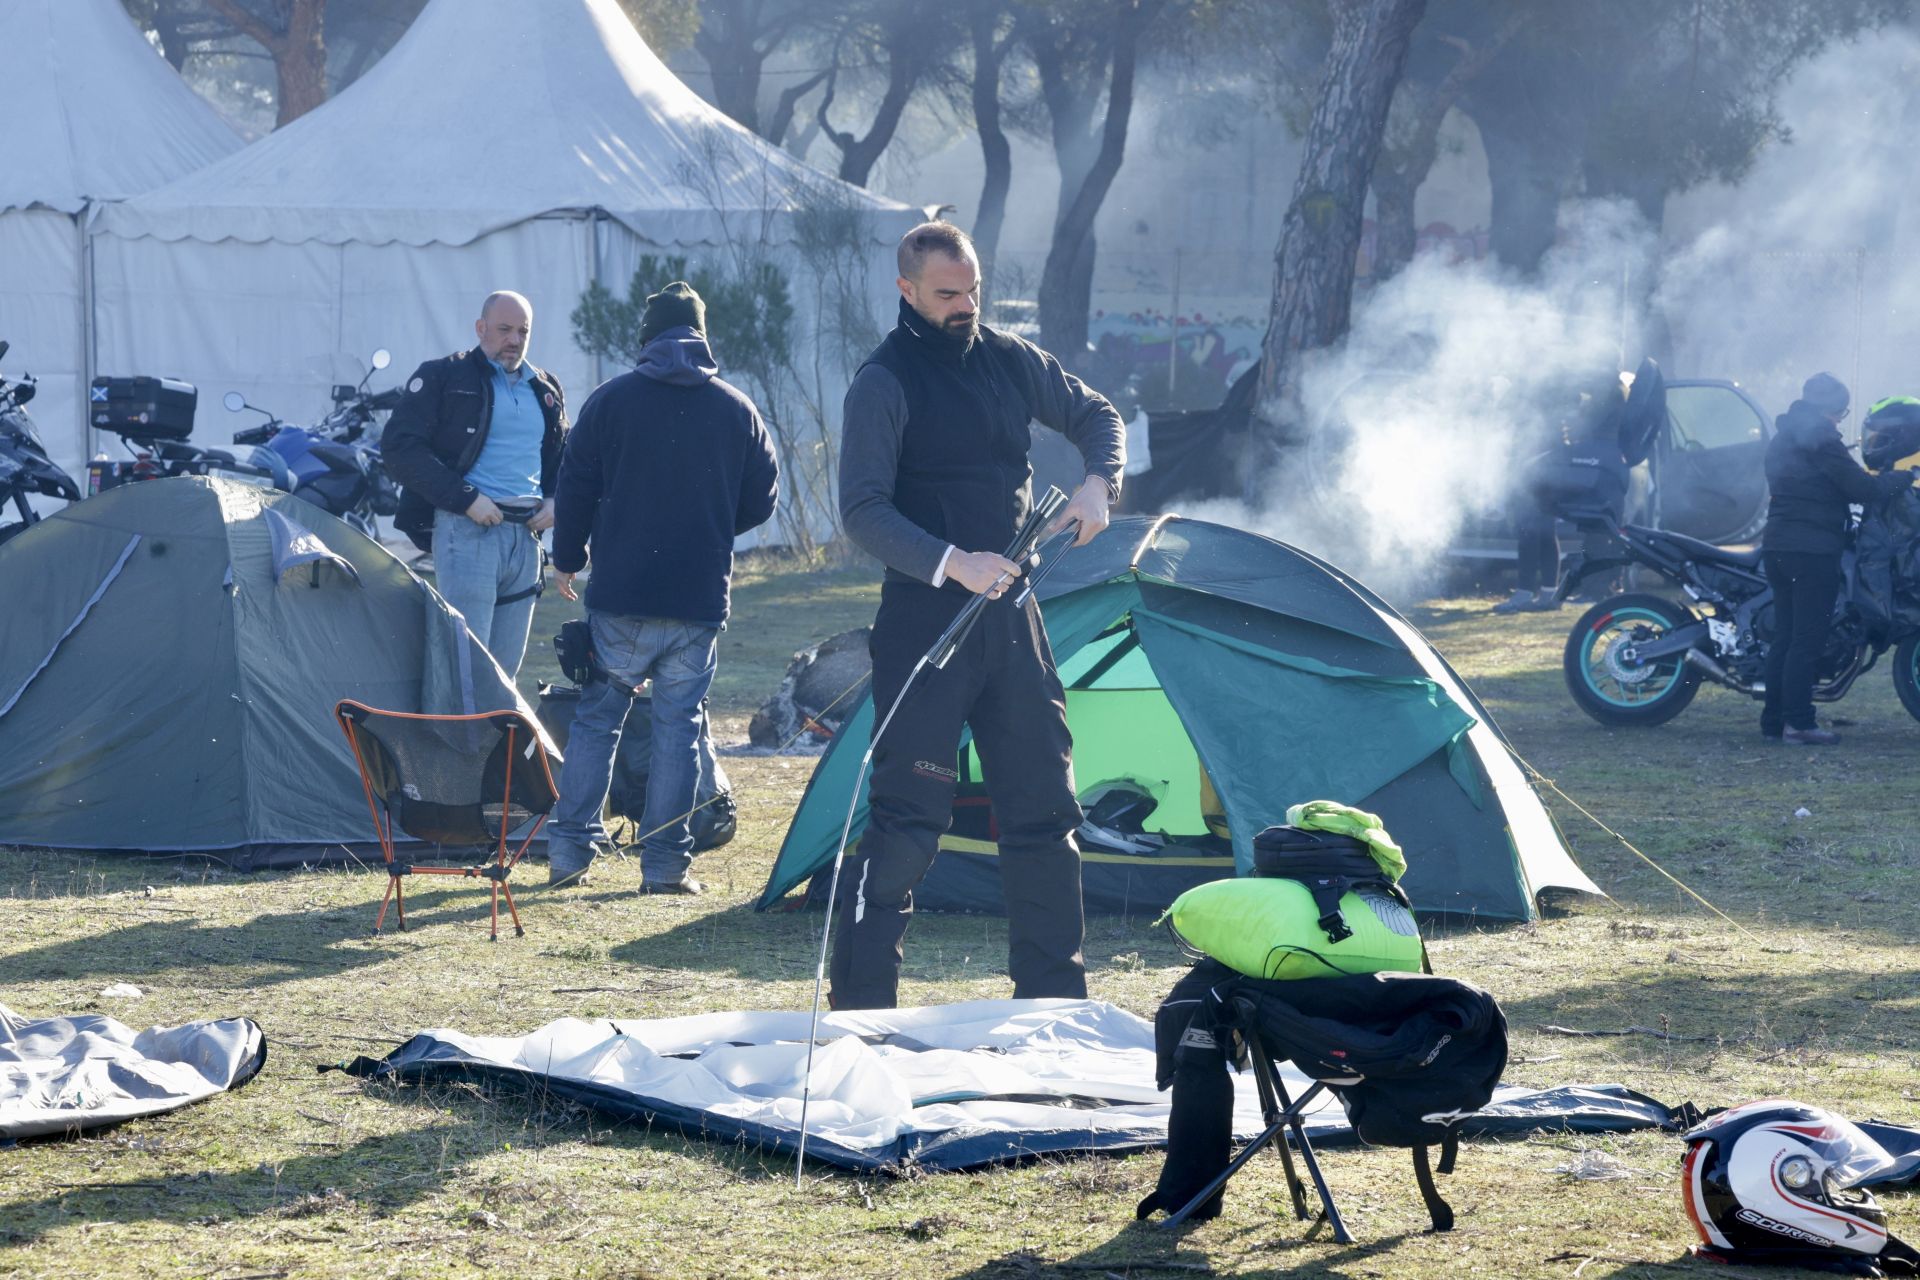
<point x="171" y="686"/>
<point x="1190" y="648"/>
<point x="63" y="1076"/>
<point x="941" y="1088"/>
<point x="93" y="113"/>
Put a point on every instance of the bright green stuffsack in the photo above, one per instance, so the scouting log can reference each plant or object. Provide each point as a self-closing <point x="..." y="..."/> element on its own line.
<point x="1268" y="928"/>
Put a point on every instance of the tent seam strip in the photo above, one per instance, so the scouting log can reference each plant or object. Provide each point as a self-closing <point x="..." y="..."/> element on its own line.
<point x="73" y="626"/>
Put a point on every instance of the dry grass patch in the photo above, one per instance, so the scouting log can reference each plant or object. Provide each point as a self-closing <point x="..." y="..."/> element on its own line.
<point x="304" y="1174"/>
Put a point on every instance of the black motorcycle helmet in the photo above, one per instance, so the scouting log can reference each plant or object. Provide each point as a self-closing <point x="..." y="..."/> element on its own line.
<point x="1776" y="1183"/>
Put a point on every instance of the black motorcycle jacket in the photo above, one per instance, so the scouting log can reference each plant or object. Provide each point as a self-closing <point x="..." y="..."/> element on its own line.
<point x="1812" y="479"/>
<point x="438" y="429"/>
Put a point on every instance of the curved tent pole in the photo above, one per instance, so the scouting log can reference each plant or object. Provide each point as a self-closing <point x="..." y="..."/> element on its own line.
<point x="1153" y="536"/>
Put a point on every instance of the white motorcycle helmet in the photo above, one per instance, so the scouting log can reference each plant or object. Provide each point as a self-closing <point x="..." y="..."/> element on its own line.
<point x="1777" y="1183"/>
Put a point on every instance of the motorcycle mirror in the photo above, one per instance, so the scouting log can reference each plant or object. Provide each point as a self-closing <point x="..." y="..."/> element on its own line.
<point x="382" y="358"/>
<point x="234" y="401"/>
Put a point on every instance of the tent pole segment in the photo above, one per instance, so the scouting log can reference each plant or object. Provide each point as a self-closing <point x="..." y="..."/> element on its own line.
<point x="833" y="890"/>
<point x="1146" y="543"/>
<point x="89" y="340"/>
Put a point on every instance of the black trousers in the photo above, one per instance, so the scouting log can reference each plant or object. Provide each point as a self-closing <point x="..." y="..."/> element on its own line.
<point x="1805" y="586"/>
<point x="1539" y="564"/>
<point x="1003" y="685"/>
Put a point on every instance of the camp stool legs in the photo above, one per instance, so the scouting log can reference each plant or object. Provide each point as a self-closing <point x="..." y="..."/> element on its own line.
<point x="388" y="746"/>
<point x="1283" y="1115"/>
<point x="495" y="870"/>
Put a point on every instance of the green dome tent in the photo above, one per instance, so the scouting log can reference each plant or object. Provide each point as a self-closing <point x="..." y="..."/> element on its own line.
<point x="1190" y="648"/>
<point x="171" y="658"/>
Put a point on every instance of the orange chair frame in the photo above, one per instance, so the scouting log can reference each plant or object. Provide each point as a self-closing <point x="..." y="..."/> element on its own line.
<point x="496" y="870"/>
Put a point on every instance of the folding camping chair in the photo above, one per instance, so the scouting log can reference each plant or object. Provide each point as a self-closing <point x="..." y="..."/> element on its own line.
<point x="451" y="780"/>
<point x="1283" y="1115"/>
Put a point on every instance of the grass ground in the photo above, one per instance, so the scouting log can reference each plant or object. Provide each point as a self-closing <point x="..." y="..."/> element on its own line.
<point x="1813" y="995"/>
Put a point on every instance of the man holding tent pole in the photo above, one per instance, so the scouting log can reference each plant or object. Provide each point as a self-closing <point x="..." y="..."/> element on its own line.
<point x="934" y="482"/>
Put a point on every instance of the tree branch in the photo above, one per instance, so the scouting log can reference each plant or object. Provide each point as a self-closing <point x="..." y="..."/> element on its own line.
<point x="249" y="25"/>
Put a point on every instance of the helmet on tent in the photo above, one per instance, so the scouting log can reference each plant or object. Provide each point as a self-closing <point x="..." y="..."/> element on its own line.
<point x="1778" y="1183"/>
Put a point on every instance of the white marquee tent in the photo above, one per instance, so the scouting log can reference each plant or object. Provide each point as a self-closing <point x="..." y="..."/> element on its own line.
<point x="90" y="113"/>
<point x="535" y="145"/>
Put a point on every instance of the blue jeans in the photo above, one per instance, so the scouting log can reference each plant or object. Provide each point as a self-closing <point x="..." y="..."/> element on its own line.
<point x="679" y="657"/>
<point x="474" y="567"/>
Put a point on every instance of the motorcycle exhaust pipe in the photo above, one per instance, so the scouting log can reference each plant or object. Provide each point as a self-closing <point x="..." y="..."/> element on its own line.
<point x="1717" y="673"/>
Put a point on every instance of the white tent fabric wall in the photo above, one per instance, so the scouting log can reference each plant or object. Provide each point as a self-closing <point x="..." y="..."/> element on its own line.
<point x="280" y="323"/>
<point x="42" y="317"/>
<point x="92" y="114"/>
<point x="520" y="144"/>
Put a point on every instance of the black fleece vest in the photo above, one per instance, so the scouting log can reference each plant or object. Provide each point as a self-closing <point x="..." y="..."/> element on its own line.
<point x="963" y="473"/>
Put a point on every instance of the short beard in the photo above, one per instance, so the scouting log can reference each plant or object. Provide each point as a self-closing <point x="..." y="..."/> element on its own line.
<point x="967" y="329"/>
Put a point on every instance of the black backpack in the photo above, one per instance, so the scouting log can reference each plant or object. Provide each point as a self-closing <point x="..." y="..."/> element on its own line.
<point x="1409" y="1056"/>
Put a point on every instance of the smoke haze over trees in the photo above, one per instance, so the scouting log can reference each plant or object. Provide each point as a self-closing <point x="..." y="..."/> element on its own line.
<point x="1664" y="170"/>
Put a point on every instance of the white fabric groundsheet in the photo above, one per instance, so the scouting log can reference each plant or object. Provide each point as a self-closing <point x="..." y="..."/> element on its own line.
<point x="63" y="1075"/>
<point x="944" y="1087"/>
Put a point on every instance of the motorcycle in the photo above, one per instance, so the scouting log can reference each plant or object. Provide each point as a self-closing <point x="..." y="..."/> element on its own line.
<point x="1639" y="659"/>
<point x="335" y="463"/>
<point x="25" y="467"/>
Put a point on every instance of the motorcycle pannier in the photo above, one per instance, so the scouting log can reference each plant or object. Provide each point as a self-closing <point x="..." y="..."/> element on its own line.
<point x="142" y="408"/>
<point x="1573" y="476"/>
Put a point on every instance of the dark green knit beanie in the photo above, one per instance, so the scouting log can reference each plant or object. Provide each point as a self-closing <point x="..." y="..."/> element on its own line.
<point x="672" y="307"/>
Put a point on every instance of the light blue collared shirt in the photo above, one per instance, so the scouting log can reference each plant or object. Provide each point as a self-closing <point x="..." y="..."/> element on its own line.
<point x="508" y="467"/>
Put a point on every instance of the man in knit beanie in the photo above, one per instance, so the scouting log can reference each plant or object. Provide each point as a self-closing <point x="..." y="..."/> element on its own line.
<point x="666" y="466"/>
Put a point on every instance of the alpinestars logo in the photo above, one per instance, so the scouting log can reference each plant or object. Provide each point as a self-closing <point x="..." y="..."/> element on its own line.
<point x="1765" y="1223"/>
<point x="928" y="769"/>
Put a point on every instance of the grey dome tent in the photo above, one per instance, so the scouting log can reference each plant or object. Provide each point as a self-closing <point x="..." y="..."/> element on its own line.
<point x="1190" y="650"/>
<point x="171" y="658"/>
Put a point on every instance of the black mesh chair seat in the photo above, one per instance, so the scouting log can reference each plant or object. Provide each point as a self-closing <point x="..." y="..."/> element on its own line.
<point x="452" y="781"/>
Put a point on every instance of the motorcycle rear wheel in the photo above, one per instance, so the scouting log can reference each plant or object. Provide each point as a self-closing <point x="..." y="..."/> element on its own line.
<point x="1906" y="674"/>
<point x="1612" y="692"/>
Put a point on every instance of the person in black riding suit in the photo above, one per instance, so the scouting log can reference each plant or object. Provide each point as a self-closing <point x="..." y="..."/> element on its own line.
<point x="1812" y="479"/>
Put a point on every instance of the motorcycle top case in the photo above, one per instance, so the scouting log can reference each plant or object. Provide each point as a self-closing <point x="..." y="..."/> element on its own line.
<point x="143" y="408"/>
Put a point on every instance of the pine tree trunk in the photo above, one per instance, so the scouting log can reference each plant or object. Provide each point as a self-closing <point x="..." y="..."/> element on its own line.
<point x="1527" y="173"/>
<point x="1320" y="235"/>
<point x="736" y="65"/>
<point x="995" y="151"/>
<point x="1395" y="233"/>
<point x="1066" y="281"/>
<point x="299" y="52"/>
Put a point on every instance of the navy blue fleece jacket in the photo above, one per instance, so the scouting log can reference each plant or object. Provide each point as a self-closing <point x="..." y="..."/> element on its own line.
<point x="665" y="466"/>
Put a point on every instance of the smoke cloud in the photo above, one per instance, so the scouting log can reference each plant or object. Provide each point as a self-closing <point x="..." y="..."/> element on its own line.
<point x="1452" y="376"/>
<point x="1456" y="373"/>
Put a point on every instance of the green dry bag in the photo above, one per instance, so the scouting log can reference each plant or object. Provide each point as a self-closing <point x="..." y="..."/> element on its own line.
<point x="1270" y="928"/>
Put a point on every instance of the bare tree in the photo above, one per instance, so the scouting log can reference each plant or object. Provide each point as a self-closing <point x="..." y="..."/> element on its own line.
<point x="908" y="45"/>
<point x="293" y="32"/>
<point x="1320" y="234"/>
<point x="736" y="37"/>
<point x="994" y="32"/>
<point x="1638" y="99"/>
<point x="1086" y="52"/>
<point x="1412" y="143"/>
